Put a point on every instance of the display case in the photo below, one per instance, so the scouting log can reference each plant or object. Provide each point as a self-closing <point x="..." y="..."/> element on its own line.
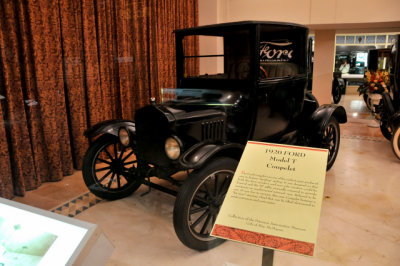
<point x="31" y="236"/>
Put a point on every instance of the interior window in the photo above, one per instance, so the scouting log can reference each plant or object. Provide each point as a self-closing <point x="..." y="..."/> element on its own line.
<point x="219" y="57"/>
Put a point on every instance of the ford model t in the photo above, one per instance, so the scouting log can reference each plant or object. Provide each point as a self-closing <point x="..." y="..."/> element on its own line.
<point x="252" y="88"/>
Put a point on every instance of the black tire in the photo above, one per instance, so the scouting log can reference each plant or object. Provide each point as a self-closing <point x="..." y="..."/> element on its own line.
<point x="337" y="94"/>
<point x="396" y="142"/>
<point x="385" y="128"/>
<point x="198" y="202"/>
<point x="109" y="169"/>
<point x="331" y="141"/>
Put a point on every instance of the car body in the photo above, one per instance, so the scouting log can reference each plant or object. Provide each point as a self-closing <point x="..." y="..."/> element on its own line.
<point x="255" y="89"/>
<point x="381" y="90"/>
<point x="389" y="107"/>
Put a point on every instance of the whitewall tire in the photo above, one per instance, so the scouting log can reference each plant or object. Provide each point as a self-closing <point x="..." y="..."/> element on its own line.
<point x="396" y="142"/>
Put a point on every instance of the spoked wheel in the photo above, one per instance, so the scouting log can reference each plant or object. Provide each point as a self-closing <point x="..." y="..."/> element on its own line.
<point x="198" y="203"/>
<point x="396" y="142"/>
<point x="331" y="140"/>
<point x="109" y="169"/>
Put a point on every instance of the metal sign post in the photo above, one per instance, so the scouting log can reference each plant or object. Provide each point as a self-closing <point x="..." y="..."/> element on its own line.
<point x="267" y="257"/>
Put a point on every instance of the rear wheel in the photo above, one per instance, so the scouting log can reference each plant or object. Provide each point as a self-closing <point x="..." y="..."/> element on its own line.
<point x="109" y="169"/>
<point x="198" y="203"/>
<point x="331" y="140"/>
<point x="396" y="142"/>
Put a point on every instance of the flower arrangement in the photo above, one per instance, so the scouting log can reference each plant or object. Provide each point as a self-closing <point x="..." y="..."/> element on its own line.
<point x="376" y="82"/>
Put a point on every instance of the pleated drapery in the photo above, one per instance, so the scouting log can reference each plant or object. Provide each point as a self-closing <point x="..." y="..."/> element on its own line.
<point x="66" y="65"/>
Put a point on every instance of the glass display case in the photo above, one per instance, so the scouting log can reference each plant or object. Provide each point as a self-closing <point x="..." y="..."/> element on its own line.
<point x="31" y="236"/>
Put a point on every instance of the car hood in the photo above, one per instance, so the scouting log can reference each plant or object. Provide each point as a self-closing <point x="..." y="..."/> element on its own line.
<point x="191" y="103"/>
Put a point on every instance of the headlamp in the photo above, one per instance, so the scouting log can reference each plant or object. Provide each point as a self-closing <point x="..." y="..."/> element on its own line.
<point x="173" y="148"/>
<point x="124" y="136"/>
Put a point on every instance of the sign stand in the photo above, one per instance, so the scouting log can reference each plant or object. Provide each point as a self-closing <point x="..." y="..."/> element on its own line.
<point x="267" y="257"/>
<point x="275" y="198"/>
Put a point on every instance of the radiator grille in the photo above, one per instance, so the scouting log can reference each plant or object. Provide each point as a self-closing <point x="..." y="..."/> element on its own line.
<point x="212" y="130"/>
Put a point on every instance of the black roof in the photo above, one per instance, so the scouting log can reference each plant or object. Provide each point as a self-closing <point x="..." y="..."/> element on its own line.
<point x="240" y="24"/>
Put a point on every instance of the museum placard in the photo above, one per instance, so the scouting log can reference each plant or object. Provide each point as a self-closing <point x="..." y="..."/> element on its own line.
<point x="275" y="198"/>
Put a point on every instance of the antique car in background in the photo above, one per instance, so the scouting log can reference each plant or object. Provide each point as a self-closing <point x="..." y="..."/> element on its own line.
<point x="379" y="90"/>
<point x="338" y="86"/>
<point x="378" y="63"/>
<point x="389" y="107"/>
<point x="252" y="88"/>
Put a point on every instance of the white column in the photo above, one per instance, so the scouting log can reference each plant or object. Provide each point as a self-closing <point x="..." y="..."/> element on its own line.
<point x="209" y="14"/>
<point x="324" y="59"/>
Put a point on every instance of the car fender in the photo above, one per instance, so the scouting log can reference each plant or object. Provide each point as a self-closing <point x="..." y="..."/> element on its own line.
<point x="316" y="124"/>
<point x="109" y="127"/>
<point x="202" y="152"/>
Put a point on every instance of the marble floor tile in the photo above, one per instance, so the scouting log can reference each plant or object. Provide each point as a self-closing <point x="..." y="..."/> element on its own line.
<point x="142" y="232"/>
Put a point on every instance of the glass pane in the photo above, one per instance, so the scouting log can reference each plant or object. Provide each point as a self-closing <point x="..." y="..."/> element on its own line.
<point x="370" y="39"/>
<point x="349" y="39"/>
<point x="360" y="39"/>
<point x="340" y="40"/>
<point x="381" y="39"/>
<point x="219" y="57"/>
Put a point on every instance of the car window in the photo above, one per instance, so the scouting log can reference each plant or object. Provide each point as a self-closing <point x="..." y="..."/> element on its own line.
<point x="219" y="57"/>
<point x="276" y="59"/>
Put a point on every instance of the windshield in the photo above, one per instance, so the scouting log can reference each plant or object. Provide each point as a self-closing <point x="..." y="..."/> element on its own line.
<point x="224" y="56"/>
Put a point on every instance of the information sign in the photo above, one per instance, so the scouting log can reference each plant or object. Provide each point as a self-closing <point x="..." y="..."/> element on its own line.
<point x="275" y="198"/>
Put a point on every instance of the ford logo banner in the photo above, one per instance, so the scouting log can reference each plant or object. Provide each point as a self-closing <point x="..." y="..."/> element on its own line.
<point x="276" y="51"/>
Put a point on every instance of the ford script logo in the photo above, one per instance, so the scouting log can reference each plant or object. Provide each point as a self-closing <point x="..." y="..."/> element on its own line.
<point x="276" y="51"/>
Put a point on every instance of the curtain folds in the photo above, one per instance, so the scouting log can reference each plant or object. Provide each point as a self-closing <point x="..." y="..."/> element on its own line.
<point x="66" y="65"/>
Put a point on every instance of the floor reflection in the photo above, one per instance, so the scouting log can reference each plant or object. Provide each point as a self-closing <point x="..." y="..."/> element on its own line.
<point x="360" y="121"/>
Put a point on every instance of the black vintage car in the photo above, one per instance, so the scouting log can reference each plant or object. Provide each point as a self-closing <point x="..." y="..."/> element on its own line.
<point x="389" y="107"/>
<point x="254" y="89"/>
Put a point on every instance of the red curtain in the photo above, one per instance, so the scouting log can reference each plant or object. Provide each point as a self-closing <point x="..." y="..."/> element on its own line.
<point x="66" y="65"/>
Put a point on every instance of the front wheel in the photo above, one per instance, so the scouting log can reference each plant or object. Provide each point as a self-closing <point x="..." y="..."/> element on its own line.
<point x="109" y="169"/>
<point x="337" y="94"/>
<point x="199" y="201"/>
<point x="396" y="142"/>
<point x="331" y="141"/>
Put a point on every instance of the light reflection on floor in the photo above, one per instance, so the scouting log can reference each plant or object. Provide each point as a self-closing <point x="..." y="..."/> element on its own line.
<point x="360" y="121"/>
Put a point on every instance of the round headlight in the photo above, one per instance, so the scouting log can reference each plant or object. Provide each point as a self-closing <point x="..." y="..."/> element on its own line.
<point x="172" y="148"/>
<point x="124" y="136"/>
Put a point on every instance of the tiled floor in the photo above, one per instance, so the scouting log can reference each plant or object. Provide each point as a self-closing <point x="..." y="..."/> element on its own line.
<point x="53" y="194"/>
<point x="359" y="224"/>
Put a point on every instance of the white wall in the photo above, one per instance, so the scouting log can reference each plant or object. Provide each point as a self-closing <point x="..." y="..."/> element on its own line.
<point x="324" y="51"/>
<point x="310" y="11"/>
<point x="209" y="14"/>
<point x="326" y="17"/>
